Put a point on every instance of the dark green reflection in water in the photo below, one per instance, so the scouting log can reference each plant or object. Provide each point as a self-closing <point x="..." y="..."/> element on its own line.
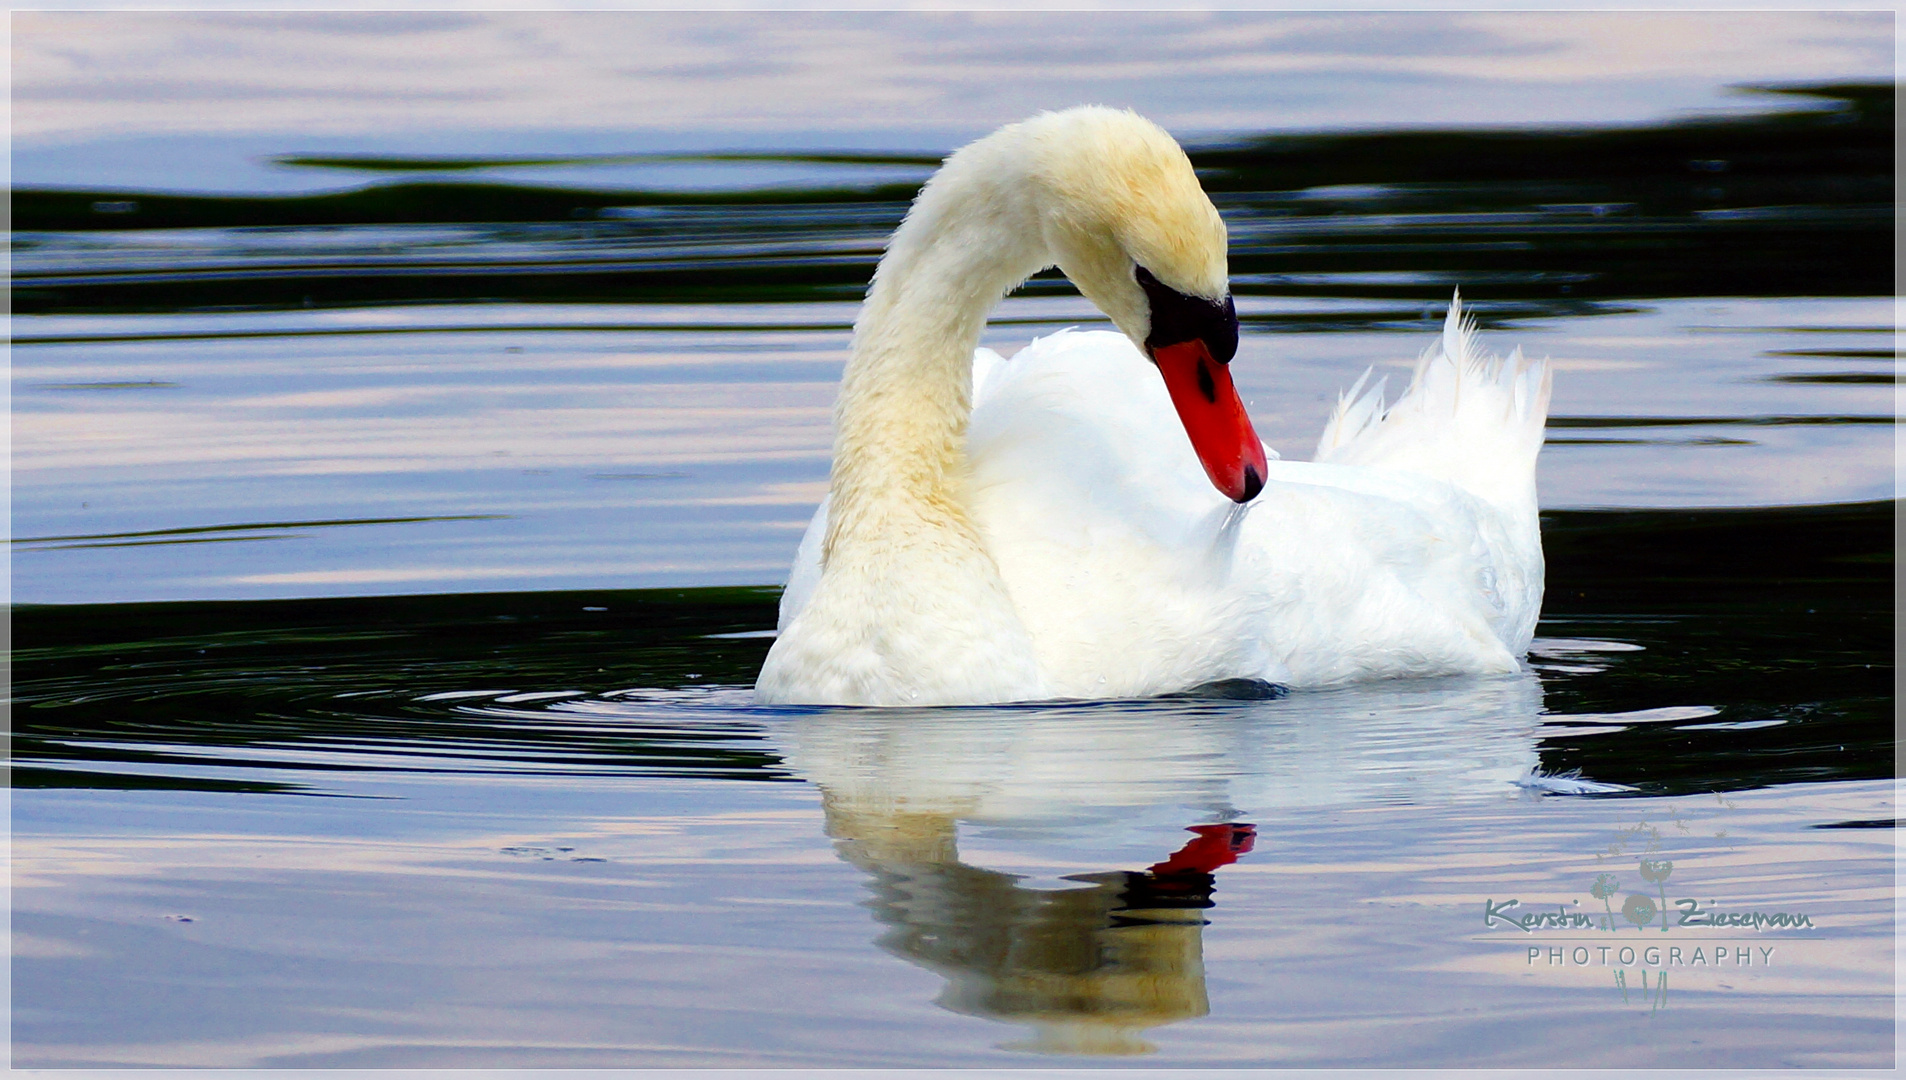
<point x="1781" y="619"/>
<point x="1794" y="203"/>
<point x="180" y="688"/>
<point x="1768" y="615"/>
<point x="400" y="164"/>
<point x="208" y="534"/>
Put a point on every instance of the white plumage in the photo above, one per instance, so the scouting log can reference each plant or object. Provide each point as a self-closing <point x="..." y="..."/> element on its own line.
<point x="1410" y="548"/>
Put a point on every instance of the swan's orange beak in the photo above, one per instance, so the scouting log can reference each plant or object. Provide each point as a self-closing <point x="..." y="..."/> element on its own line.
<point x="1214" y="417"/>
<point x="1192" y="340"/>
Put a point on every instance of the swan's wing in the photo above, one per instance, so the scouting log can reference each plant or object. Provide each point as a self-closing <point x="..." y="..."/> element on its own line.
<point x="1078" y="431"/>
<point x="1475" y="423"/>
<point x="1103" y="523"/>
<point x="987" y="366"/>
<point x="1383" y="571"/>
<point x="806" y="572"/>
<point x="1467" y="419"/>
<point x="1129" y="568"/>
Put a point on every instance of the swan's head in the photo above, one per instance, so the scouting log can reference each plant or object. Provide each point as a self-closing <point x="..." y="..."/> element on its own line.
<point x="1122" y="214"/>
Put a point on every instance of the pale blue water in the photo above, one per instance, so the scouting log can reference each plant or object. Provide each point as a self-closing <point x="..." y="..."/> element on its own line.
<point x="571" y="446"/>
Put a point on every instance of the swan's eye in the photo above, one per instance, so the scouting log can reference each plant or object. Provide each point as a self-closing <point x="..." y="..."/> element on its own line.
<point x="1178" y="318"/>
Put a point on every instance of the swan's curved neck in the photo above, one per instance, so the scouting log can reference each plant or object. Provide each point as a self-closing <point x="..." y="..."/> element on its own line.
<point x="900" y="442"/>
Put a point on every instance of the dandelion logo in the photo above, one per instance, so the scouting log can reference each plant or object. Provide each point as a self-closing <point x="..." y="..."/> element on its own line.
<point x="1657" y="871"/>
<point x="1638" y="909"/>
<point x="1605" y="886"/>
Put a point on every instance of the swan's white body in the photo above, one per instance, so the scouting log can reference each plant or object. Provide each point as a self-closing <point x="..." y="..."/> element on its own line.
<point x="1068" y="544"/>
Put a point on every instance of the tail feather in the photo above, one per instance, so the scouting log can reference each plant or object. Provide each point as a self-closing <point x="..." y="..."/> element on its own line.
<point x="1469" y="419"/>
<point x="1355" y="411"/>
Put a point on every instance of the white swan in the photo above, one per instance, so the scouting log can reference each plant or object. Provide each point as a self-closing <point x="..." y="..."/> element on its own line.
<point x="1046" y="527"/>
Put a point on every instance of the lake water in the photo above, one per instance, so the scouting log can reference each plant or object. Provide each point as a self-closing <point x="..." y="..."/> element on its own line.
<point x="387" y="598"/>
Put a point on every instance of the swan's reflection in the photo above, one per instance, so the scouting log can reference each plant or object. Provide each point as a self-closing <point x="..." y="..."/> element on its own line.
<point x="1093" y="965"/>
<point x="1089" y="968"/>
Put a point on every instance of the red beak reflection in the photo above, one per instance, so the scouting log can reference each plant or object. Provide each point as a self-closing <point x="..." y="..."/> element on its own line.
<point x="1208" y="405"/>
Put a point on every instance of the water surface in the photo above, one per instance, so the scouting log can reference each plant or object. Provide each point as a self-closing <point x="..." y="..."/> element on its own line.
<point x="553" y="830"/>
<point x="392" y="561"/>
